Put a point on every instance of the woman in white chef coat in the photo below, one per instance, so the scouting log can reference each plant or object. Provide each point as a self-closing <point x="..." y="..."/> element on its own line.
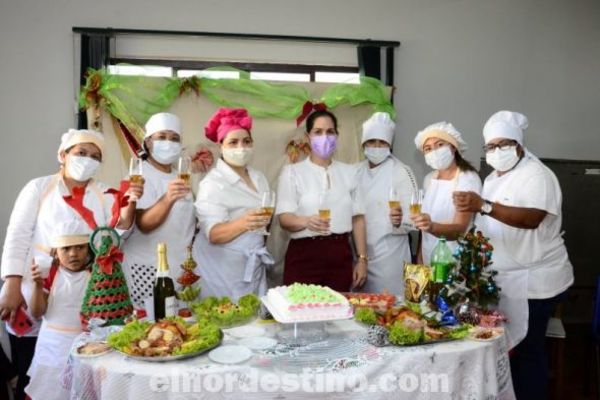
<point x="231" y="254"/>
<point x="319" y="251"/>
<point x="37" y="211"/>
<point x="520" y="211"/>
<point x="443" y="146"/>
<point x="165" y="213"/>
<point x="387" y="244"/>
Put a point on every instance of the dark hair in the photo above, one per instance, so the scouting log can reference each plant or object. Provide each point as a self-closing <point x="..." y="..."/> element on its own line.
<point x="310" y="121"/>
<point x="463" y="164"/>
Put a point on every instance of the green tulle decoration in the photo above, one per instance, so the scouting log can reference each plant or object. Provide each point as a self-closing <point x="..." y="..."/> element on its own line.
<point x="369" y="91"/>
<point x="133" y="99"/>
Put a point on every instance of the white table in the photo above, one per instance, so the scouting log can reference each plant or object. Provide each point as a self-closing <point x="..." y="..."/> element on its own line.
<point x="343" y="366"/>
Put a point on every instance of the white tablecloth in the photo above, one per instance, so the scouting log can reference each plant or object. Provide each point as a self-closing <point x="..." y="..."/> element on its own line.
<point x="342" y="366"/>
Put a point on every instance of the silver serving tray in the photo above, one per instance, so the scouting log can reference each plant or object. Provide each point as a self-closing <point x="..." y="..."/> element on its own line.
<point x="174" y="358"/>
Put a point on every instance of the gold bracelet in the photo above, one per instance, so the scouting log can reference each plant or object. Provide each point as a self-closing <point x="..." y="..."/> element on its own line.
<point x="363" y="257"/>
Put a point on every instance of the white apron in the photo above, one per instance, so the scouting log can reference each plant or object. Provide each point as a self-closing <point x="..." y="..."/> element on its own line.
<point x="177" y="231"/>
<point x="387" y="248"/>
<point x="437" y="202"/>
<point x="512" y="278"/>
<point x="60" y="325"/>
<point x="232" y="269"/>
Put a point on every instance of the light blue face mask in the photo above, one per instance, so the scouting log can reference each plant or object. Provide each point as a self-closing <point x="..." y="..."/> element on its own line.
<point x="377" y="155"/>
<point x="165" y="151"/>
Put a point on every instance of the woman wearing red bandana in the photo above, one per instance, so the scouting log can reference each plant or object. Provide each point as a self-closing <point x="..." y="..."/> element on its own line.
<point x="229" y="248"/>
<point x="319" y="251"/>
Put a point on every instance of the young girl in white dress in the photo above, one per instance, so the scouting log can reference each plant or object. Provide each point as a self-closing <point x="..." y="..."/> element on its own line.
<point x="57" y="299"/>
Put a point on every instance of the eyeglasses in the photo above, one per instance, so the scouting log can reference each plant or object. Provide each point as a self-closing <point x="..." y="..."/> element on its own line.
<point x="503" y="145"/>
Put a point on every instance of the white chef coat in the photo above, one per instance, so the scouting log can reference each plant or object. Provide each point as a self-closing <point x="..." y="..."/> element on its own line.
<point x="300" y="186"/>
<point x="388" y="247"/>
<point x="61" y="325"/>
<point x="542" y="250"/>
<point x="236" y="268"/>
<point x="37" y="211"/>
<point x="532" y="263"/>
<point x="177" y="230"/>
<point x="437" y="202"/>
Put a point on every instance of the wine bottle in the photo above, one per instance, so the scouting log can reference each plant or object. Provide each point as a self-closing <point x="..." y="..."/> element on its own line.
<point x="165" y="303"/>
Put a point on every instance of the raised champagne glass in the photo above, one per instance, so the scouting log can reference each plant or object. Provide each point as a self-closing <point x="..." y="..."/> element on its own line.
<point x="324" y="210"/>
<point x="184" y="169"/>
<point x="267" y="208"/>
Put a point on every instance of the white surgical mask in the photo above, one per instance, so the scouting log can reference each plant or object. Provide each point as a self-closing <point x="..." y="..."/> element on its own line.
<point x="239" y="156"/>
<point x="440" y="159"/>
<point x="165" y="151"/>
<point x="377" y="154"/>
<point x="82" y="168"/>
<point x="502" y="160"/>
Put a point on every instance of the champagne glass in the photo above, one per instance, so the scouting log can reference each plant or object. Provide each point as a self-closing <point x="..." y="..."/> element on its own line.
<point x="267" y="208"/>
<point x="394" y="198"/>
<point x="135" y="173"/>
<point x="135" y="170"/>
<point x="324" y="210"/>
<point x="394" y="202"/>
<point x="416" y="201"/>
<point x="184" y="169"/>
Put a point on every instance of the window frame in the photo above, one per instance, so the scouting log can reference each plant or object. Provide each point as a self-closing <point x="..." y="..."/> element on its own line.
<point x="199" y="65"/>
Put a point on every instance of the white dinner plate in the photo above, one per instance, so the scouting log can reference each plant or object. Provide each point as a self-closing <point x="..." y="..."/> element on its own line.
<point x="258" y="343"/>
<point x="245" y="331"/>
<point x="230" y="354"/>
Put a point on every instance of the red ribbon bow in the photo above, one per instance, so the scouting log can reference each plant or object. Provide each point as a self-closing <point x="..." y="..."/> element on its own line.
<point x="307" y="108"/>
<point x="107" y="261"/>
<point x="121" y="200"/>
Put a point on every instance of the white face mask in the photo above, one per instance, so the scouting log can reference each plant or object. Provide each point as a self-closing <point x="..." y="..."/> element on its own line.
<point x="440" y="158"/>
<point x="81" y="168"/>
<point x="377" y="154"/>
<point x="165" y="151"/>
<point x="502" y="160"/>
<point x="239" y="156"/>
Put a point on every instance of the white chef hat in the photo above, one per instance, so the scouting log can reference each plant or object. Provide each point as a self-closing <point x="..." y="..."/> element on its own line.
<point x="163" y="122"/>
<point x="379" y="126"/>
<point x="505" y="124"/>
<point x="69" y="233"/>
<point x="441" y="130"/>
<point x="77" y="136"/>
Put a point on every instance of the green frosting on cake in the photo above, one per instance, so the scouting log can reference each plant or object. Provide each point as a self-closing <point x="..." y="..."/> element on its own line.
<point x="303" y="293"/>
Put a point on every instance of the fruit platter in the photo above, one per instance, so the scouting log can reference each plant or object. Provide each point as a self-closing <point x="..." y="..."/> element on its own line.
<point x="377" y="301"/>
<point x="407" y="326"/>
<point x="225" y="313"/>
<point x="166" y="340"/>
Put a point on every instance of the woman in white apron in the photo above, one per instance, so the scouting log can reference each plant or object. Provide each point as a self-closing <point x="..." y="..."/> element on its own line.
<point x="165" y="213"/>
<point x="380" y="175"/>
<point x="521" y="213"/>
<point x="443" y="146"/>
<point x="229" y="248"/>
<point x="37" y="211"/>
<point x="58" y="298"/>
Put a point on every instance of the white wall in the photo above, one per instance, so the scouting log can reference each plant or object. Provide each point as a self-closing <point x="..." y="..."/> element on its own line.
<point x="459" y="61"/>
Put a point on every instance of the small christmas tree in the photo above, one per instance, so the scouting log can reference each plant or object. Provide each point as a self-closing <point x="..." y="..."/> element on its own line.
<point x="106" y="296"/>
<point x="472" y="280"/>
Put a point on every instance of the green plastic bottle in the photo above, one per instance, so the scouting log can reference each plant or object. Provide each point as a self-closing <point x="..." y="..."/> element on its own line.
<point x="442" y="261"/>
